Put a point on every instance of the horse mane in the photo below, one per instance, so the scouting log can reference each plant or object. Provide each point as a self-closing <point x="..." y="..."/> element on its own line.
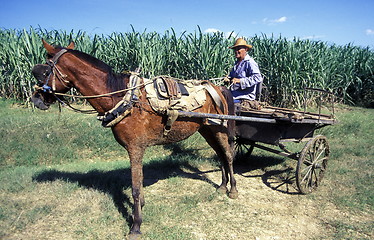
<point x="114" y="81"/>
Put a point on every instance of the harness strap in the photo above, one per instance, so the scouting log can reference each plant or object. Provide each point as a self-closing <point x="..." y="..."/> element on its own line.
<point x="172" y="116"/>
<point x="52" y="63"/>
<point x="55" y="58"/>
<point x="216" y="98"/>
<point x="123" y="107"/>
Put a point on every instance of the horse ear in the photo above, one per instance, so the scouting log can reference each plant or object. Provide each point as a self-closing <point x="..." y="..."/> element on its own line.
<point x="50" y="49"/>
<point x="71" y="46"/>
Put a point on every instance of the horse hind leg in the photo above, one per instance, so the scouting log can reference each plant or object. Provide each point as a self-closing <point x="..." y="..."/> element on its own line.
<point x="217" y="138"/>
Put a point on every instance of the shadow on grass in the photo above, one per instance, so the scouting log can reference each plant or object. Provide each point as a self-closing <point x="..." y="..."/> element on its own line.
<point x="178" y="163"/>
<point x="114" y="182"/>
<point x="281" y="180"/>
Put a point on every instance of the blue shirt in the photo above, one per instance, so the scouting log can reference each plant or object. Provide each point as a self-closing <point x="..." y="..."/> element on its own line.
<point x="249" y="74"/>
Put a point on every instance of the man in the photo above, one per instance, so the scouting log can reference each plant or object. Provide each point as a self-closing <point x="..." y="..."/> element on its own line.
<point x="245" y="77"/>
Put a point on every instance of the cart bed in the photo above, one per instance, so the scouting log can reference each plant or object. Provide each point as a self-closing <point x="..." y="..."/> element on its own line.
<point x="283" y="125"/>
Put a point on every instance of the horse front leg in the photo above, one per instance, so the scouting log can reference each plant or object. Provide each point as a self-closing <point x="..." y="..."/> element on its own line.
<point x="136" y="160"/>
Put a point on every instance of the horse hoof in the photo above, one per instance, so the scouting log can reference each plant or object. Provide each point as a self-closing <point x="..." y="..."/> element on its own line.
<point x="134" y="236"/>
<point x="222" y="190"/>
<point x="233" y="195"/>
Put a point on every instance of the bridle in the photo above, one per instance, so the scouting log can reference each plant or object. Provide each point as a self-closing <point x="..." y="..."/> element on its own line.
<point x="54" y="70"/>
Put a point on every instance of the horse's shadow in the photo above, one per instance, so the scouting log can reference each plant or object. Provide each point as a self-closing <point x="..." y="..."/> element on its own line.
<point x="281" y="179"/>
<point x="116" y="181"/>
<point x="110" y="182"/>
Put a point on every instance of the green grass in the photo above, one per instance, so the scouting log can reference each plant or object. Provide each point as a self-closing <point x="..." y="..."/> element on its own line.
<point x="51" y="137"/>
<point x="353" y="143"/>
<point x="64" y="176"/>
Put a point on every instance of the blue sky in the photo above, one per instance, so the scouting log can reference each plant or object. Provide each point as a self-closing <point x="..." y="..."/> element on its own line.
<point x="334" y="21"/>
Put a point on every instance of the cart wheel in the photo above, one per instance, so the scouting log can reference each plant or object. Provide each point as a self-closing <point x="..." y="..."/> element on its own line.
<point x="312" y="164"/>
<point x="242" y="149"/>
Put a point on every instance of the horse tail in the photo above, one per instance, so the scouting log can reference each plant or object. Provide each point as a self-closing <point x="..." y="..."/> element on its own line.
<point x="231" y="111"/>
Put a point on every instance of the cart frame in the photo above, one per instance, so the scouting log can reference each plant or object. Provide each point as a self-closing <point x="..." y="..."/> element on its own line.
<point x="273" y="126"/>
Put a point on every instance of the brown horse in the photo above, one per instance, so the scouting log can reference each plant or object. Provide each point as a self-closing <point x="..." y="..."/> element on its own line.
<point x="143" y="127"/>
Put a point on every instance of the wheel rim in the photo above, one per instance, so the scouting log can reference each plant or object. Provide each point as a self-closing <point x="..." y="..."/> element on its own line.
<point x="312" y="164"/>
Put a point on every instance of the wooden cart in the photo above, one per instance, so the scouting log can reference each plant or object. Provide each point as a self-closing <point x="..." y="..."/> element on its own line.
<point x="270" y="127"/>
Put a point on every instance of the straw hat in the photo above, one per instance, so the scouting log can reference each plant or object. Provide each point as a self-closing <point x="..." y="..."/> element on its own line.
<point x="241" y="42"/>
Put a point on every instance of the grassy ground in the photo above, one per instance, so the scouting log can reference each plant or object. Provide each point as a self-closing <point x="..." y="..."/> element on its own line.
<point x="65" y="177"/>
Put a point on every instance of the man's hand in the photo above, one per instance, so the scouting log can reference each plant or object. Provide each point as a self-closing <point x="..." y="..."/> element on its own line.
<point x="226" y="80"/>
<point x="235" y="80"/>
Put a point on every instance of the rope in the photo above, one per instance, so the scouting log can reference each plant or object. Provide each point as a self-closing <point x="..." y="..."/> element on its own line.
<point x="115" y="92"/>
<point x="69" y="107"/>
<point x="106" y="94"/>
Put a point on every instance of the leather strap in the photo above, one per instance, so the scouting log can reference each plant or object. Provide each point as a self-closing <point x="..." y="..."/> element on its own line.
<point x="216" y="98"/>
<point x="58" y="55"/>
<point x="172" y="116"/>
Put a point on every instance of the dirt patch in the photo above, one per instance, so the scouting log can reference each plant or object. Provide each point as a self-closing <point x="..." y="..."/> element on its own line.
<point x="267" y="208"/>
<point x="261" y="212"/>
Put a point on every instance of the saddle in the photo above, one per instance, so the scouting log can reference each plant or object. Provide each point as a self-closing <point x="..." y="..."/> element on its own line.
<point x="169" y="88"/>
<point x="166" y="93"/>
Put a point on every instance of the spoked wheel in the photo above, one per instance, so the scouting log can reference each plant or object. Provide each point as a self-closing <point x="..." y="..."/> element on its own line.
<point x="312" y="164"/>
<point x="243" y="148"/>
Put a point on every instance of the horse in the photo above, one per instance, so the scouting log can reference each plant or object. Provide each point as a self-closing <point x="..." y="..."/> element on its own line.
<point x="67" y="68"/>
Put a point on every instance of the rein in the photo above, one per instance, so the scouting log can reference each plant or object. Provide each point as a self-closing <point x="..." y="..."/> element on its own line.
<point x="105" y="94"/>
<point x="66" y="103"/>
<point x="121" y="109"/>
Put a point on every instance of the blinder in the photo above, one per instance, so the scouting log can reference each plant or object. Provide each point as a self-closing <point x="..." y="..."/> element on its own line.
<point x="42" y="73"/>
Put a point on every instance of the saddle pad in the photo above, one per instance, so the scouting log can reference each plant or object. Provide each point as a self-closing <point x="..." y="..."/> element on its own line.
<point x="196" y="96"/>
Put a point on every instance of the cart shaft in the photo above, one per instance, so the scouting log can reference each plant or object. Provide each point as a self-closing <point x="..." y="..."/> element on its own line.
<point x="250" y="119"/>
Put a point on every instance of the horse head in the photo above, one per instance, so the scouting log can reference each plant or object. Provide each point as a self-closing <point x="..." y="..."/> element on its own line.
<point x="50" y="78"/>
